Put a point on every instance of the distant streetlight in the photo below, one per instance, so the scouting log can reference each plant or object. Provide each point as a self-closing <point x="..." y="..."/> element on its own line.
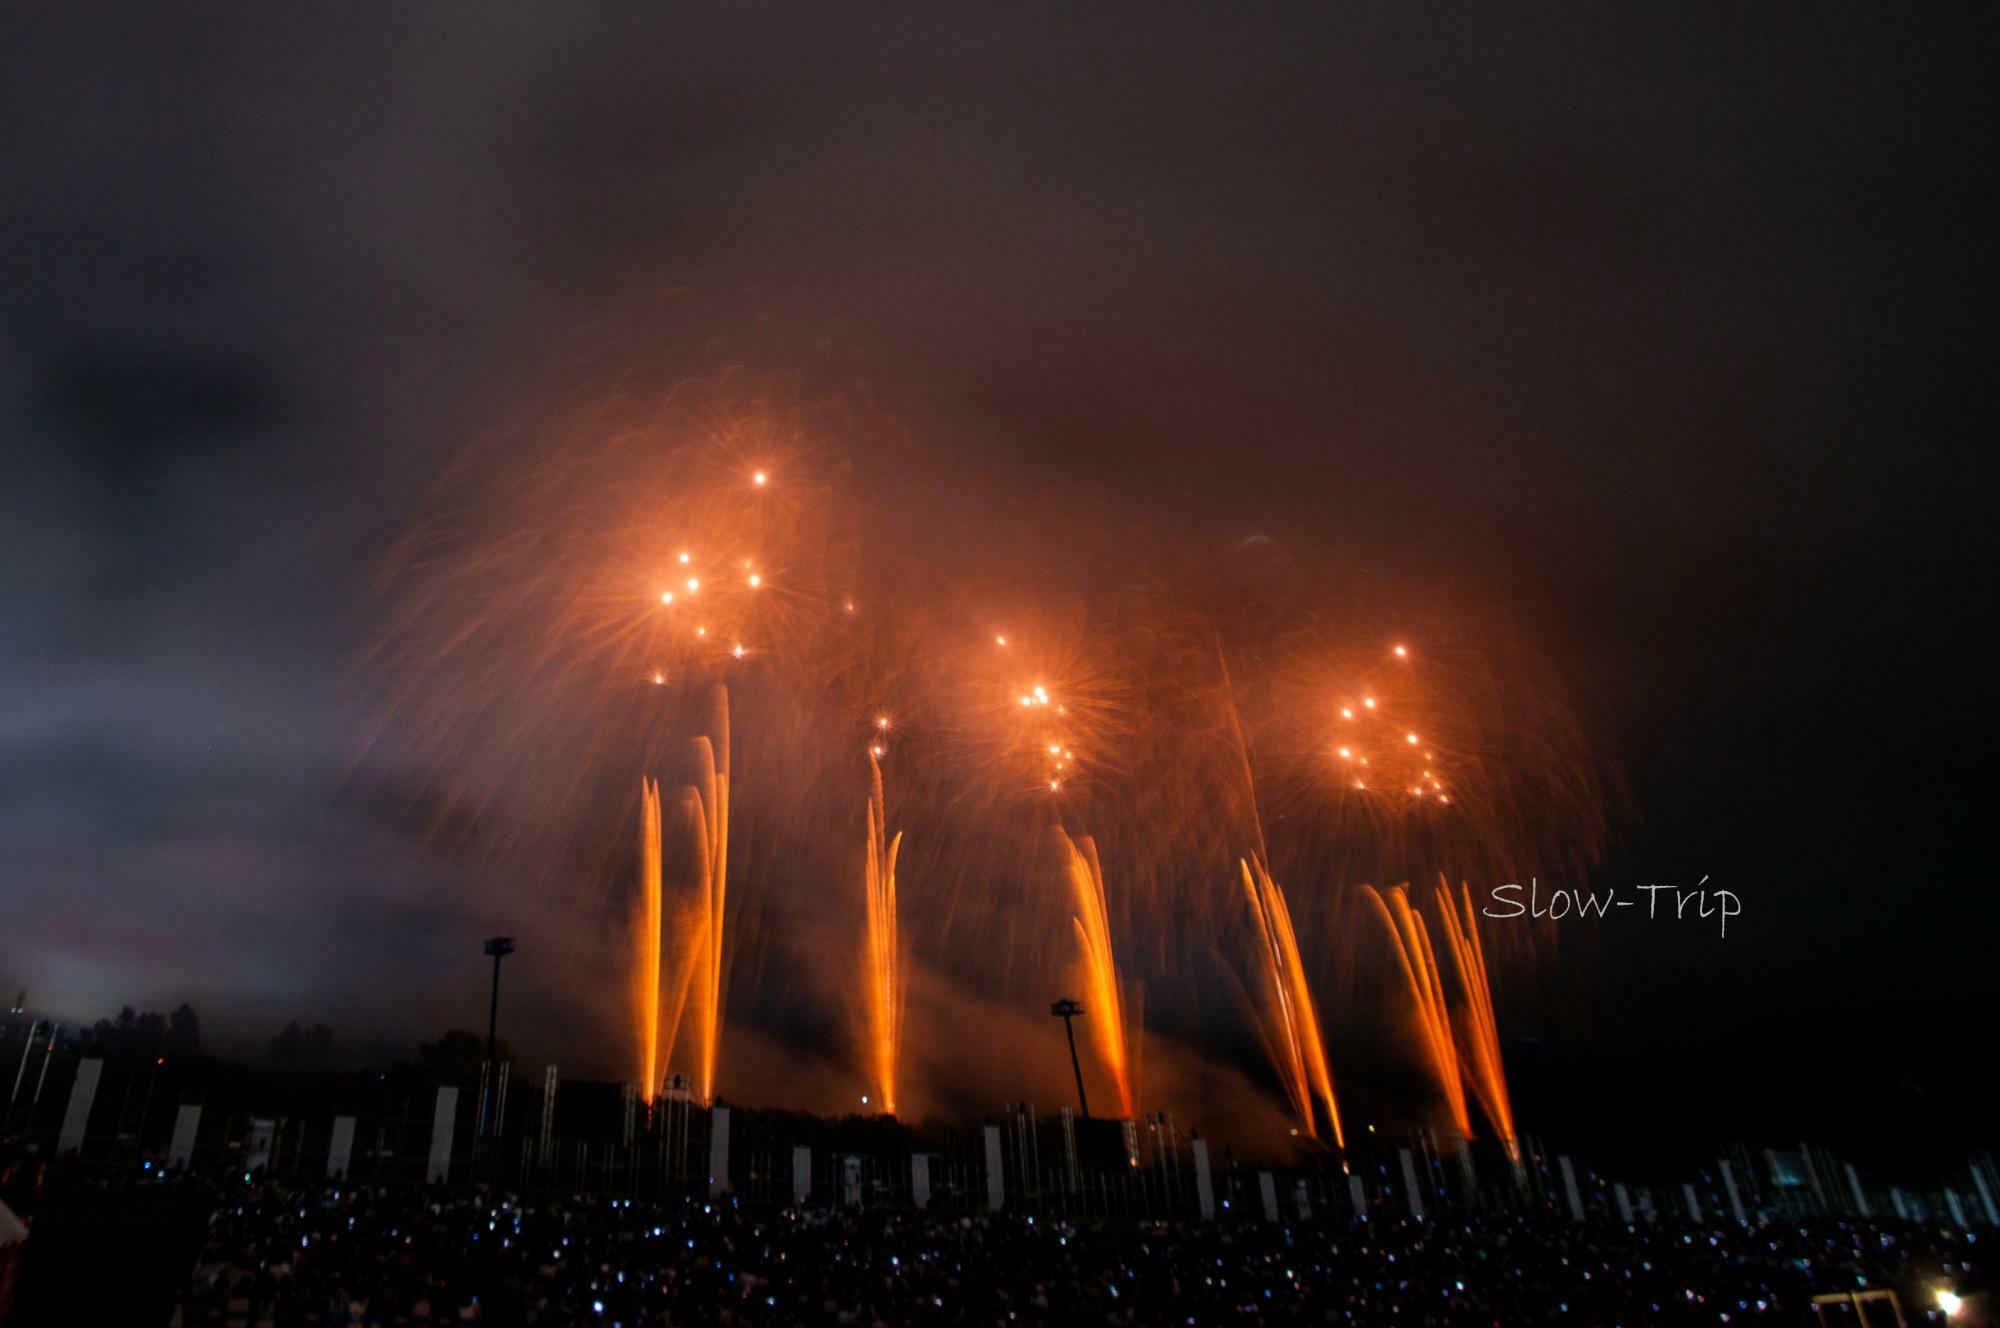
<point x="1067" y="1010"/>
<point x="499" y="947"/>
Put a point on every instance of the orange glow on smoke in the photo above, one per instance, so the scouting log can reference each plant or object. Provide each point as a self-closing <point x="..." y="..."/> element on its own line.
<point x="530" y="614"/>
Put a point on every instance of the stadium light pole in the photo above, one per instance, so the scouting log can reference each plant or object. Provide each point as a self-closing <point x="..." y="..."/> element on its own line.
<point x="1067" y="1010"/>
<point x="499" y="947"/>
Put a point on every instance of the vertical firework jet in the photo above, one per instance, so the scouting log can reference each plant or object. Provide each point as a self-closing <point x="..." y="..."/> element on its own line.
<point x="884" y="977"/>
<point x="1291" y="1021"/>
<point x="646" y="969"/>
<point x="1420" y="972"/>
<point x="1104" y="1003"/>
<point x="693" y="985"/>
<point x="705" y="806"/>
<point x="1481" y="1029"/>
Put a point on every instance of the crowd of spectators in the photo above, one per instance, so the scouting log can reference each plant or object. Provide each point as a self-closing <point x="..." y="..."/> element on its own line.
<point x="332" y="1254"/>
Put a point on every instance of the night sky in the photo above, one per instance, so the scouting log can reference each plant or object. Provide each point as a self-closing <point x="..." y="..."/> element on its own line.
<point x="1666" y="331"/>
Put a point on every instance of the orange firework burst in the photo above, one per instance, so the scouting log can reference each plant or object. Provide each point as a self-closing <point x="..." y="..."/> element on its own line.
<point x="1291" y="1032"/>
<point x="1039" y="704"/>
<point x="1418" y="962"/>
<point x="1481" y="1040"/>
<point x="1105" y="1004"/>
<point x="539" y="598"/>
<point x="562" y="618"/>
<point x="885" y="957"/>
<point x="1450" y="755"/>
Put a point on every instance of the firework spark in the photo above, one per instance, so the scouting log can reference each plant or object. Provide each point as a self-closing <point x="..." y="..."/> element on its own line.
<point x="1412" y="944"/>
<point x="1481" y="1032"/>
<point x="885" y="959"/>
<point x="706" y="807"/>
<point x="646" y="968"/>
<point x="1105" y="1002"/>
<point x="693" y="936"/>
<point x="1291" y="1021"/>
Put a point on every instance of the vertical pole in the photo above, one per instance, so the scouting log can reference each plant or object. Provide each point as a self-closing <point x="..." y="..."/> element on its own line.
<point x="493" y="1009"/>
<point x="499" y="947"/>
<point x="27" y="1045"/>
<point x="492" y="1039"/>
<point x="42" y="1079"/>
<point x="1083" y="1099"/>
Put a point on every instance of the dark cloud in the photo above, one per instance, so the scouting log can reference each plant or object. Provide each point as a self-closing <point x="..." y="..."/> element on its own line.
<point x="1665" y="328"/>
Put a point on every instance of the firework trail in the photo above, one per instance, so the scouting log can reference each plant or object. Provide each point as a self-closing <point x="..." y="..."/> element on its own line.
<point x="693" y="936"/>
<point x="1481" y="1040"/>
<point x="1412" y="944"/>
<point x="1104" y="1006"/>
<point x="705" y="805"/>
<point x="646" y="939"/>
<point x="1291" y="1031"/>
<point x="885" y="957"/>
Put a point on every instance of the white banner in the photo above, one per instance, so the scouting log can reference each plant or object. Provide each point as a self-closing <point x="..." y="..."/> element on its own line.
<point x="340" y="1153"/>
<point x="180" y="1152"/>
<point x="257" y="1156"/>
<point x="1735" y="1195"/>
<point x="996" y="1183"/>
<point x="1569" y="1189"/>
<point x="802" y="1174"/>
<point x="444" y="1121"/>
<point x="718" y="1152"/>
<point x="1985" y="1195"/>
<point x="1204" y="1185"/>
<point x="81" y="1094"/>
<point x="1854" y="1184"/>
